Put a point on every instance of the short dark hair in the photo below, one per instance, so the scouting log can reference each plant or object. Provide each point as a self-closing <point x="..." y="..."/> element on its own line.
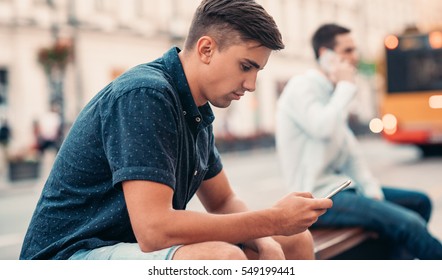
<point x="325" y="36"/>
<point x="232" y="21"/>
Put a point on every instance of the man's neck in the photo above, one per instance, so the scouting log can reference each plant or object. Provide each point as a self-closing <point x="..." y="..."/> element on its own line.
<point x="189" y="66"/>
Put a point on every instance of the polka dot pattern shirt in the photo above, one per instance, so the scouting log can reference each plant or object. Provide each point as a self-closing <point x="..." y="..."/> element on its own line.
<point x="142" y="126"/>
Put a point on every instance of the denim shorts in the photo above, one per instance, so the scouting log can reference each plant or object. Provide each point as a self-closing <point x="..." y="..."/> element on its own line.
<point x="124" y="251"/>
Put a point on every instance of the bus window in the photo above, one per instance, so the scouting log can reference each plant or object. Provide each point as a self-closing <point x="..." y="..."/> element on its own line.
<point x="414" y="65"/>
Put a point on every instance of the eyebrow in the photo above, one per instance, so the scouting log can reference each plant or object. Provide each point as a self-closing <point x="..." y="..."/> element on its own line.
<point x="254" y="64"/>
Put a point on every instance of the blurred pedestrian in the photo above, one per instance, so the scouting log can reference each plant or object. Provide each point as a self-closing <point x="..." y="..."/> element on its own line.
<point x="5" y="132"/>
<point x="143" y="146"/>
<point x="5" y="136"/>
<point x="318" y="151"/>
<point x="48" y="129"/>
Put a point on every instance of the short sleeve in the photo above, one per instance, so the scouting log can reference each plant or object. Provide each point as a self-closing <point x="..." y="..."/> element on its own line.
<point x="140" y="137"/>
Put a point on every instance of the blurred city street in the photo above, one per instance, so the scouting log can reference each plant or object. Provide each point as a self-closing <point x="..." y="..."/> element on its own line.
<point x="56" y="55"/>
<point x="255" y="177"/>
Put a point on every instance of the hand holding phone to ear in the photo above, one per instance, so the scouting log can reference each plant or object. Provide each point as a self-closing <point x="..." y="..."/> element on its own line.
<point x="335" y="67"/>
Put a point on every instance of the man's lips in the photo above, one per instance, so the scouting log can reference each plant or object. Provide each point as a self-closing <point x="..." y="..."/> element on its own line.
<point x="237" y="95"/>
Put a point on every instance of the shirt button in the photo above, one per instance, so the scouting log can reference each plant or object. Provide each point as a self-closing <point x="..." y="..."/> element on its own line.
<point x="198" y="119"/>
<point x="195" y="173"/>
<point x="184" y="113"/>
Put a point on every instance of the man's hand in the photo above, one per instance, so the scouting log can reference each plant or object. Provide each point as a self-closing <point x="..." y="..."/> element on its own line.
<point x="296" y="212"/>
<point x="265" y="248"/>
<point x="343" y="71"/>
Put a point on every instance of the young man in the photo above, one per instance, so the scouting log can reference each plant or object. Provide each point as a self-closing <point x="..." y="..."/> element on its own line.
<point x="144" y="146"/>
<point x="318" y="152"/>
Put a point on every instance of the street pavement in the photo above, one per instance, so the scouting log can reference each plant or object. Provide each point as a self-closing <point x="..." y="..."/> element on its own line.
<point x="256" y="178"/>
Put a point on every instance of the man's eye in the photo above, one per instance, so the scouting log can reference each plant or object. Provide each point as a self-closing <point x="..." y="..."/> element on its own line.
<point x="245" y="67"/>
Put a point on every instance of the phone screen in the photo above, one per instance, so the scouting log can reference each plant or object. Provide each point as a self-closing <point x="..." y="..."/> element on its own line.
<point x="338" y="189"/>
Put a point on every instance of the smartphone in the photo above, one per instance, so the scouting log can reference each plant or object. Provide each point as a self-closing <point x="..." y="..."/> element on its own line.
<point x="328" y="60"/>
<point x="338" y="189"/>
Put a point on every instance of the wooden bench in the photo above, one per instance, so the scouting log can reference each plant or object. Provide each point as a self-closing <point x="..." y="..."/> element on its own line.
<point x="331" y="242"/>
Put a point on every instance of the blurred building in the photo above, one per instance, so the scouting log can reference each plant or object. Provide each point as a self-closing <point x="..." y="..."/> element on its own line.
<point x="109" y="36"/>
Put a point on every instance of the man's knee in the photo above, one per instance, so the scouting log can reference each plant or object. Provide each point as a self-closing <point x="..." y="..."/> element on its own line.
<point x="298" y="247"/>
<point x="426" y="207"/>
<point x="301" y="239"/>
<point x="214" y="250"/>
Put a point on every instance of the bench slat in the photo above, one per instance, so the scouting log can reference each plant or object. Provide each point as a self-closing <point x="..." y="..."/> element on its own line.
<point x="331" y="242"/>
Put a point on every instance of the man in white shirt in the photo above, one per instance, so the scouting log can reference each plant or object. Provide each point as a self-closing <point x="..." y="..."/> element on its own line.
<point x="318" y="151"/>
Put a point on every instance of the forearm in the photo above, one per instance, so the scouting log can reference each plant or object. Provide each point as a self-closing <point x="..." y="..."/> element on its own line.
<point x="188" y="227"/>
<point x="231" y="205"/>
<point x="157" y="225"/>
<point x="235" y="205"/>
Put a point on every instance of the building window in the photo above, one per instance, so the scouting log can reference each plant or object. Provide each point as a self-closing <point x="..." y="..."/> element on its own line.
<point x="3" y="86"/>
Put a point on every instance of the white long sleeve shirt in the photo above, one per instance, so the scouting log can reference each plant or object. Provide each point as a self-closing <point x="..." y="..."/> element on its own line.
<point x="316" y="148"/>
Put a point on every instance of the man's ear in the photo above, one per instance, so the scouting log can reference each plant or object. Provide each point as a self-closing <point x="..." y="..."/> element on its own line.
<point x="322" y="50"/>
<point x="205" y="47"/>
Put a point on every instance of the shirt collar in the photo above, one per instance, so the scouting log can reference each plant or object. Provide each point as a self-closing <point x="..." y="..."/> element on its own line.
<point x="195" y="115"/>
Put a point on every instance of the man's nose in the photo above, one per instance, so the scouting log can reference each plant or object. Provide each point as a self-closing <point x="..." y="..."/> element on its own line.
<point x="355" y="58"/>
<point x="250" y="83"/>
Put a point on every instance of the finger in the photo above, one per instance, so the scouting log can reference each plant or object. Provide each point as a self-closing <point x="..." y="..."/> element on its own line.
<point x="321" y="212"/>
<point x="303" y="194"/>
<point x="323" y="203"/>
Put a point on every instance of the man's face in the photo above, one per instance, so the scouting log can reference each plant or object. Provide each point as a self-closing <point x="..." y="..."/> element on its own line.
<point x="231" y="72"/>
<point x="346" y="48"/>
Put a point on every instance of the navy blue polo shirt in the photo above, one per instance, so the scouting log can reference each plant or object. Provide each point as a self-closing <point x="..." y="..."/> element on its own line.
<point x="144" y="125"/>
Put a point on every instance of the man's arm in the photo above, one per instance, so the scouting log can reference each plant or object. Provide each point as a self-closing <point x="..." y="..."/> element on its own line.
<point x="157" y="225"/>
<point x="217" y="197"/>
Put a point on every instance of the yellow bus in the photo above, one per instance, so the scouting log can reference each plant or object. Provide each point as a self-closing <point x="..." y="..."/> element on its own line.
<point x="411" y="101"/>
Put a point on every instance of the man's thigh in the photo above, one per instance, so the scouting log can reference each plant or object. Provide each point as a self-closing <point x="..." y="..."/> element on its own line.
<point x="351" y="209"/>
<point x="124" y="251"/>
<point x="417" y="201"/>
<point x="213" y="250"/>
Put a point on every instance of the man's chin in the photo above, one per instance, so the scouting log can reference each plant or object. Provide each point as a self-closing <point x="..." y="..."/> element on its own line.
<point x="223" y="104"/>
